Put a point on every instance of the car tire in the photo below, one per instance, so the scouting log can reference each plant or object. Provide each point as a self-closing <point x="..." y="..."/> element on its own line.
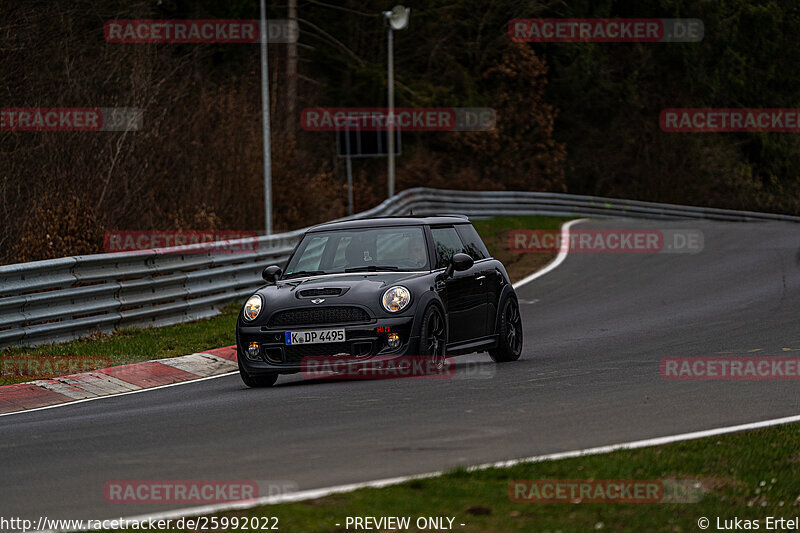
<point x="434" y="326"/>
<point x="255" y="382"/>
<point x="509" y="342"/>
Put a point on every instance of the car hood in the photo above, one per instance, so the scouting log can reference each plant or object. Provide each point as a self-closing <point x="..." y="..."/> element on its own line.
<point x="362" y="288"/>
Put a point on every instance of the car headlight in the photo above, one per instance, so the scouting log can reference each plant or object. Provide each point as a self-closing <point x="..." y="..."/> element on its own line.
<point x="253" y="307"/>
<point x="396" y="299"/>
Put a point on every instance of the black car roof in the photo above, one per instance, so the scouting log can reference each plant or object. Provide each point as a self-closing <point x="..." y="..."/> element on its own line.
<point x="391" y="221"/>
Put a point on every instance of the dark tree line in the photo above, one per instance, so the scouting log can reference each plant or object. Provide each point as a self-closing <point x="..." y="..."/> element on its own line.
<point x="579" y="118"/>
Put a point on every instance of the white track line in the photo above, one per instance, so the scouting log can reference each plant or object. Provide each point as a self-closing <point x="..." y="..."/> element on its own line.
<point x="562" y="254"/>
<point x="380" y="483"/>
<point x="118" y="395"/>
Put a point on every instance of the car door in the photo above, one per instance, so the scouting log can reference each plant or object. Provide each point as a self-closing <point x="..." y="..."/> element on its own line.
<point x="464" y="293"/>
<point x="487" y="270"/>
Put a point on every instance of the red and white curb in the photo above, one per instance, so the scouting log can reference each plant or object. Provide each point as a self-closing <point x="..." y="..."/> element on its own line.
<point x="116" y="380"/>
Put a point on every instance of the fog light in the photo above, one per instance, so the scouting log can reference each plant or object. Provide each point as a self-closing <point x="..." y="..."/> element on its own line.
<point x="254" y="350"/>
<point x="394" y="340"/>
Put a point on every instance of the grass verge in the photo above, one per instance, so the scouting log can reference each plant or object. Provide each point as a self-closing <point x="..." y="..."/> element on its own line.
<point x="494" y="232"/>
<point x="749" y="475"/>
<point x="133" y="345"/>
<point x="141" y="344"/>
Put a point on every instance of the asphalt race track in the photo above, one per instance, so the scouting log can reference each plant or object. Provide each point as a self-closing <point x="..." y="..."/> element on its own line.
<point x="595" y="329"/>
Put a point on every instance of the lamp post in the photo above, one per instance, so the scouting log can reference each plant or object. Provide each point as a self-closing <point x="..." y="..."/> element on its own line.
<point x="265" y="123"/>
<point x="398" y="20"/>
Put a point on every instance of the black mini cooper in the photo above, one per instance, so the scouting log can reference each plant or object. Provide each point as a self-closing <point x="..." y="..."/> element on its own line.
<point x="422" y="286"/>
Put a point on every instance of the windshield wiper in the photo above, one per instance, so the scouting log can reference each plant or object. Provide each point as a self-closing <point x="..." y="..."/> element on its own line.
<point x="300" y="273"/>
<point x="371" y="268"/>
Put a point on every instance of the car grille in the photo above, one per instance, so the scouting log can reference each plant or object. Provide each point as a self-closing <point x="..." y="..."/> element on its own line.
<point x="318" y="316"/>
<point x="296" y="353"/>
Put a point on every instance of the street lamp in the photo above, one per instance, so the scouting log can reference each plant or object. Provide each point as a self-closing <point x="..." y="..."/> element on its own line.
<point x="398" y="20"/>
<point x="265" y="122"/>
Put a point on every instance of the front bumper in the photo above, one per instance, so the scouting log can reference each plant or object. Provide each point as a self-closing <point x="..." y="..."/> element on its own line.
<point x="362" y="342"/>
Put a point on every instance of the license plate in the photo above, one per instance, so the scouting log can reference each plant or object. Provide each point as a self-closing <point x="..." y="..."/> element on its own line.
<point x="316" y="336"/>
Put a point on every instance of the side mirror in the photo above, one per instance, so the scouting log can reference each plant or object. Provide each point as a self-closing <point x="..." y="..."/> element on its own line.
<point x="271" y="273"/>
<point x="458" y="263"/>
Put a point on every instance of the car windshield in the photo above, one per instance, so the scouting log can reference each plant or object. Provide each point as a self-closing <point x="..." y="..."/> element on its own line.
<point x="359" y="250"/>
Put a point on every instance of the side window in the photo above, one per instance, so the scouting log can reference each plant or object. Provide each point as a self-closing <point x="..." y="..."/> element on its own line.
<point x="447" y="244"/>
<point x="473" y="245"/>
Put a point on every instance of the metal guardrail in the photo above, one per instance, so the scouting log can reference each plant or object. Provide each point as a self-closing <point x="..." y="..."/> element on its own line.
<point x="62" y="299"/>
